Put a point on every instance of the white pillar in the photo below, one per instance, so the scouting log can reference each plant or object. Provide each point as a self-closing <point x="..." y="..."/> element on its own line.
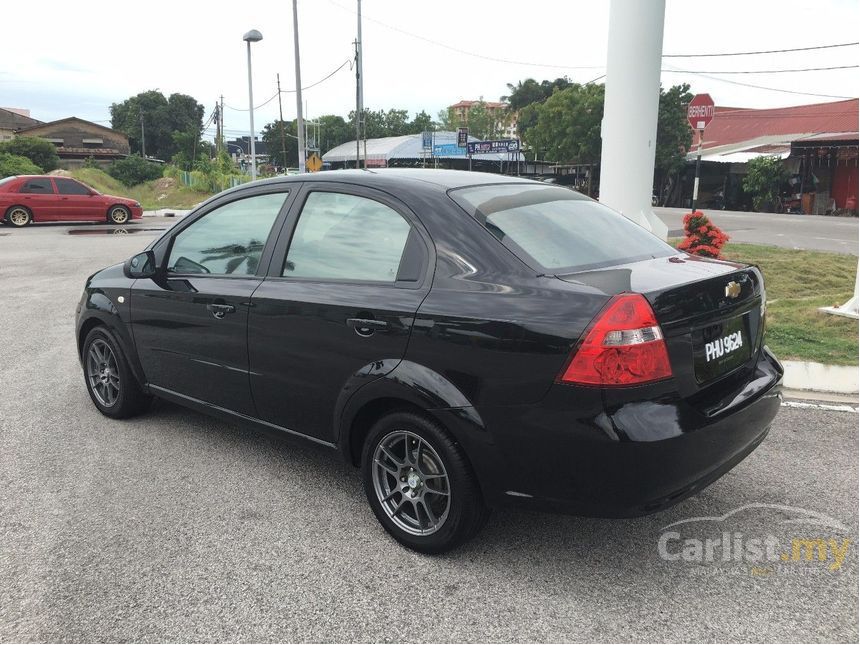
<point x="629" y="128"/>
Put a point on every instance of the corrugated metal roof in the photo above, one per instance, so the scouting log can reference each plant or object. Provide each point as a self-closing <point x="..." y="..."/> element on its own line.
<point x="738" y="125"/>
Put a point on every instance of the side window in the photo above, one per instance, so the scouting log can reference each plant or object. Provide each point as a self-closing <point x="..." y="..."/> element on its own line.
<point x="227" y="241"/>
<point x="38" y="186"/>
<point x="71" y="187"/>
<point x="346" y="237"/>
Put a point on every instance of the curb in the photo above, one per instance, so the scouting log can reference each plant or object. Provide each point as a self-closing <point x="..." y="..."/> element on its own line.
<point x="166" y="212"/>
<point x="817" y="377"/>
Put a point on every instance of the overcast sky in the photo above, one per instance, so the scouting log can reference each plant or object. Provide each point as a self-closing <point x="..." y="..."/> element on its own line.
<point x="75" y="59"/>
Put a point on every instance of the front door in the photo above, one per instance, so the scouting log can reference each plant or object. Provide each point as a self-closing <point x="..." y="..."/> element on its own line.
<point x="190" y="322"/>
<point x="338" y="303"/>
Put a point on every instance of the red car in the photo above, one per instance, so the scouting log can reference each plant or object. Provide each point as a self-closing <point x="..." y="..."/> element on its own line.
<point x="45" y="198"/>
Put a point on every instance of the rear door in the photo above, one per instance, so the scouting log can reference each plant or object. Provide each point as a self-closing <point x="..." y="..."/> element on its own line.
<point x="349" y="271"/>
<point x="37" y="194"/>
<point x="76" y="201"/>
<point x="190" y="323"/>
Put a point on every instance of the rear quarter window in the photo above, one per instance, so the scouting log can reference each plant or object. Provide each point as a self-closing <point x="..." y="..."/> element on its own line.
<point x="557" y="230"/>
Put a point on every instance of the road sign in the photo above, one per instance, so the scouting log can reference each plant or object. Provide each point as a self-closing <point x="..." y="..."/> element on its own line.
<point x="700" y="111"/>
<point x="462" y="137"/>
<point x="426" y="140"/>
<point x="314" y="163"/>
<point x="499" y="145"/>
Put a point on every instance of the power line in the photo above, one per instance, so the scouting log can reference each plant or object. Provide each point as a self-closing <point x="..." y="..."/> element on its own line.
<point x="272" y="98"/>
<point x="761" y="87"/>
<point x="764" y="51"/>
<point x="766" y="71"/>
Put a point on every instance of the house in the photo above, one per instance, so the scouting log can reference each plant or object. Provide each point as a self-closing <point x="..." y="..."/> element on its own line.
<point x="78" y="140"/>
<point x="12" y="120"/>
<point x="818" y="144"/>
<point x="507" y="121"/>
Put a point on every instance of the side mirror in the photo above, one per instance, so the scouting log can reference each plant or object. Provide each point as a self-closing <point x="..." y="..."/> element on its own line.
<point x="141" y="265"/>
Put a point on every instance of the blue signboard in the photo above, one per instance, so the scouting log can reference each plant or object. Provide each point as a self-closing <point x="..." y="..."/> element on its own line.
<point x="499" y="146"/>
<point x="426" y="140"/>
<point x="448" y="150"/>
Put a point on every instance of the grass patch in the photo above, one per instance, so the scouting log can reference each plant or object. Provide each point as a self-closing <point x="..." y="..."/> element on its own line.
<point x="160" y="193"/>
<point x="797" y="283"/>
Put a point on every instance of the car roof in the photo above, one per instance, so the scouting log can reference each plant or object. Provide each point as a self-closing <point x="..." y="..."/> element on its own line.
<point x="386" y="177"/>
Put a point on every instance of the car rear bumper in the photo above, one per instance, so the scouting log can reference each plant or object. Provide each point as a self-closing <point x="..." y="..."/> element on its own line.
<point x="581" y="452"/>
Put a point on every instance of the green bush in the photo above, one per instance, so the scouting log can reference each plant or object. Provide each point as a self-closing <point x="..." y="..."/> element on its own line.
<point x="41" y="152"/>
<point x="134" y="170"/>
<point x="764" y="178"/>
<point x="16" y="165"/>
<point x="90" y="162"/>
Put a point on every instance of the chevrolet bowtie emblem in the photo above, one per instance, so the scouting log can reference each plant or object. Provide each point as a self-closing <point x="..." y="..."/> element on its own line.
<point x="733" y="289"/>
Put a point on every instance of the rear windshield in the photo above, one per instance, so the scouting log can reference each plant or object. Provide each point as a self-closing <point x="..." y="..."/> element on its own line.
<point x="558" y="230"/>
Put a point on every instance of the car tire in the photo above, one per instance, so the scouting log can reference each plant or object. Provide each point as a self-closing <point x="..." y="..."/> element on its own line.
<point x="119" y="215"/>
<point x="110" y="383"/>
<point x="420" y="484"/>
<point x="19" y="216"/>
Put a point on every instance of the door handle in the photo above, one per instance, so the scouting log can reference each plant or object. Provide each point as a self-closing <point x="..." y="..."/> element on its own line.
<point x="366" y="326"/>
<point x="219" y="311"/>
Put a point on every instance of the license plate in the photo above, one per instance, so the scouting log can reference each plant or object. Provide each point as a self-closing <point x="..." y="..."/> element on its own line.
<point x="720" y="348"/>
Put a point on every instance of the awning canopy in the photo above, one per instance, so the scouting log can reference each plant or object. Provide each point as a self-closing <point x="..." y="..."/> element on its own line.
<point x="410" y="147"/>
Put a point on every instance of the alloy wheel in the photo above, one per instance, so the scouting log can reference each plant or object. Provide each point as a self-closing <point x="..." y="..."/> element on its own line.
<point x="103" y="373"/>
<point x="119" y="215"/>
<point x="19" y="216"/>
<point x="411" y="483"/>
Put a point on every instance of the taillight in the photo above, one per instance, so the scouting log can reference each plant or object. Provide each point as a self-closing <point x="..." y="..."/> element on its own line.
<point x="623" y="346"/>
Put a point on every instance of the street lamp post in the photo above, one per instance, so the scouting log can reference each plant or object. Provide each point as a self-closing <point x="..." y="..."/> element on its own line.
<point x="252" y="36"/>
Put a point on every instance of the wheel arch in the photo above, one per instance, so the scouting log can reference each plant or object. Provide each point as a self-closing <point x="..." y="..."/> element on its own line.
<point x="114" y="205"/>
<point x="14" y="206"/>
<point x="111" y="322"/>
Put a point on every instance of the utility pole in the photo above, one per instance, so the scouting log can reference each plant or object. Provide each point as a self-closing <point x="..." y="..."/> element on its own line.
<point x="221" y="117"/>
<point x="360" y="72"/>
<point x="300" y="124"/>
<point x="217" y="128"/>
<point x="358" y="114"/>
<point x="283" y="134"/>
<point x="142" y="137"/>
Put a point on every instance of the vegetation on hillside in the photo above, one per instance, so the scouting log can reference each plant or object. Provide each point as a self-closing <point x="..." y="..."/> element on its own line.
<point x="11" y="165"/>
<point x="165" y="192"/>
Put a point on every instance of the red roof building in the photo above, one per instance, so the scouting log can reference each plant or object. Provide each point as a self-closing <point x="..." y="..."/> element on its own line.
<point x="818" y="142"/>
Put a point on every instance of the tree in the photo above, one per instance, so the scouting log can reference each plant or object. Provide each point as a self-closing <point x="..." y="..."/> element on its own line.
<point x="674" y="137"/>
<point x="334" y="130"/>
<point x="568" y="125"/>
<point x="162" y="118"/>
<point x="422" y="122"/>
<point x="134" y="170"/>
<point x="40" y="152"/>
<point x="275" y="143"/>
<point x="11" y="165"/>
<point x="529" y="91"/>
<point x="764" y="178"/>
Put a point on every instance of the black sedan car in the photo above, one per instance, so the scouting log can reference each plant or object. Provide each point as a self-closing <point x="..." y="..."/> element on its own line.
<point x="467" y="340"/>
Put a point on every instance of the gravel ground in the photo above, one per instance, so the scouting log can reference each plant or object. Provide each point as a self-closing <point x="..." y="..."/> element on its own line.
<point x="177" y="527"/>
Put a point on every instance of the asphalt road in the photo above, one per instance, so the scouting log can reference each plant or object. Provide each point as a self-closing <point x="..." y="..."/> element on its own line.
<point x="177" y="527"/>
<point x="811" y="232"/>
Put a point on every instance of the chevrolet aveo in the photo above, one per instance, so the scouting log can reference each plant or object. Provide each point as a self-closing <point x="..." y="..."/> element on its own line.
<point x="467" y="340"/>
<point x="44" y="198"/>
